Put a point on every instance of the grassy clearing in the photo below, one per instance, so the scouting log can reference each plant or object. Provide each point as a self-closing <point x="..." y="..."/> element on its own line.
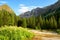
<point x="15" y="33"/>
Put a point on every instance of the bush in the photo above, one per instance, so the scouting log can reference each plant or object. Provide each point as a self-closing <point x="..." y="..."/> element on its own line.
<point x="58" y="31"/>
<point x="14" y="33"/>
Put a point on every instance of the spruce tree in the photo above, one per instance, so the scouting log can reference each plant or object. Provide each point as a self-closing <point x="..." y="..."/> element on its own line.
<point x="58" y="24"/>
<point x="24" y="23"/>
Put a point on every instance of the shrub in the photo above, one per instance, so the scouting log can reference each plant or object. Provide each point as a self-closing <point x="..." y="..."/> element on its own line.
<point x="58" y="31"/>
<point x="14" y="33"/>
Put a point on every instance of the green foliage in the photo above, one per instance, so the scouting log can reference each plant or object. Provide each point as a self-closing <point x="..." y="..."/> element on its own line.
<point x="50" y="21"/>
<point x="53" y="23"/>
<point x="59" y="23"/>
<point x="14" y="33"/>
<point x="31" y="22"/>
<point x="38" y="27"/>
<point x="58" y="31"/>
<point x="47" y="24"/>
<point x="3" y="37"/>
<point x="24" y="24"/>
<point x="41" y="23"/>
<point x="7" y="18"/>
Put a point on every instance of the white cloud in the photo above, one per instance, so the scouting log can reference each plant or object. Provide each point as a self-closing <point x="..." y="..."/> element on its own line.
<point x="3" y="2"/>
<point x="21" y="5"/>
<point x="23" y="8"/>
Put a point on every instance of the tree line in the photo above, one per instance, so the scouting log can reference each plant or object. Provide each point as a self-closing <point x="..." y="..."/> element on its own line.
<point x="40" y="22"/>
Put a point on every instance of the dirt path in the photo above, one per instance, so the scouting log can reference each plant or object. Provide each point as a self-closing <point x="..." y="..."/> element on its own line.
<point x="44" y="35"/>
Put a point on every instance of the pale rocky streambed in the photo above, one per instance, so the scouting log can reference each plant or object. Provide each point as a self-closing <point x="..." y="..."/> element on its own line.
<point x="45" y="35"/>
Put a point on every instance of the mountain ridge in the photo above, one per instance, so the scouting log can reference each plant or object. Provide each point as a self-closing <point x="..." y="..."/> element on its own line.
<point x="40" y="11"/>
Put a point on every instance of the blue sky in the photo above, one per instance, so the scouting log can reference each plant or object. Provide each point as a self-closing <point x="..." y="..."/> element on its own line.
<point x="21" y="6"/>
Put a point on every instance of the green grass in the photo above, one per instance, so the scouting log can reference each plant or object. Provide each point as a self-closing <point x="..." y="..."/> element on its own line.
<point x="15" y="33"/>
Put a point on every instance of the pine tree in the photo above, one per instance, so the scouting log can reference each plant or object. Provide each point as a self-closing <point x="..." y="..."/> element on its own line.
<point x="1" y="14"/>
<point x="4" y="17"/>
<point x="41" y="21"/>
<point x="47" y="24"/>
<point x="53" y="22"/>
<point x="33" y="22"/>
<point x="24" y="24"/>
<point x="59" y="23"/>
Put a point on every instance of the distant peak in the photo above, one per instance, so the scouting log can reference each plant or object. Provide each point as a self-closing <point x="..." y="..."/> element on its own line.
<point x="38" y="8"/>
<point x="58" y="0"/>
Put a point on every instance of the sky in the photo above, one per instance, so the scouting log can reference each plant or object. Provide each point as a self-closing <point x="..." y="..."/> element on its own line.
<point x="21" y="6"/>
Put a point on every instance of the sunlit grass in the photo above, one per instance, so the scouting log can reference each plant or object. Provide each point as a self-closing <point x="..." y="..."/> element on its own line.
<point x="15" y="33"/>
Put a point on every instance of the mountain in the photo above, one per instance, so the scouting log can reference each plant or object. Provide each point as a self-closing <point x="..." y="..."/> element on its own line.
<point x="6" y="7"/>
<point x="33" y="12"/>
<point x="26" y="14"/>
<point x="43" y="11"/>
<point x="53" y="9"/>
<point x="37" y="11"/>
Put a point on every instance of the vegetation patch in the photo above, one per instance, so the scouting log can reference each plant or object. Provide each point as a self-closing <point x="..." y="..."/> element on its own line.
<point x="15" y="33"/>
<point x="58" y="31"/>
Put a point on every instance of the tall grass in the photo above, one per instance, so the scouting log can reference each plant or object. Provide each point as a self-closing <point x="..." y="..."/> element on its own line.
<point x="15" y="33"/>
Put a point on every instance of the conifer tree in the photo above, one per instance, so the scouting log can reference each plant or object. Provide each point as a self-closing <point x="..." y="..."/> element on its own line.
<point x="41" y="21"/>
<point x="58" y="23"/>
<point x="24" y="24"/>
<point x="47" y="24"/>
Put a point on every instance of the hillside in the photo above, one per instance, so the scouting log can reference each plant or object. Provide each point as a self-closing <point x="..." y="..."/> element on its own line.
<point x="7" y="15"/>
<point x="6" y="7"/>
